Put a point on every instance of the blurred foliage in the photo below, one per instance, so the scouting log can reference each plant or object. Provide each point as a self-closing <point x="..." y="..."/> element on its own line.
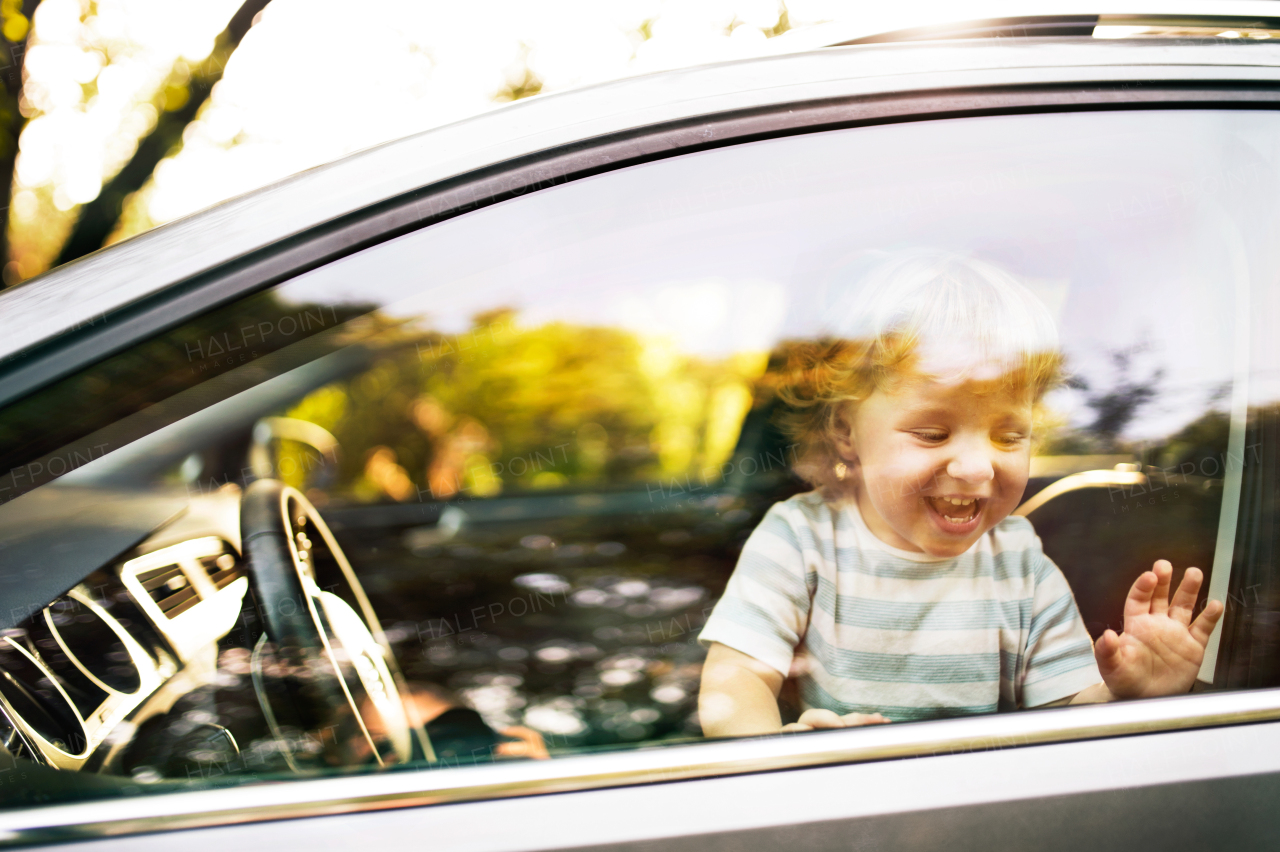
<point x="508" y="407"/>
<point x="1202" y="439"/>
<point x="15" y="26"/>
<point x="14" y="20"/>
<point x="520" y="79"/>
<point x="1114" y="406"/>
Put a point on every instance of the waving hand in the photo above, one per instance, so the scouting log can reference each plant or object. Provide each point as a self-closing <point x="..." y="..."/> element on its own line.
<point x="1161" y="648"/>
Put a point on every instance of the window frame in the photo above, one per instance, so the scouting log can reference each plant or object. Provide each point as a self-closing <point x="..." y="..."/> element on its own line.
<point x="1023" y="91"/>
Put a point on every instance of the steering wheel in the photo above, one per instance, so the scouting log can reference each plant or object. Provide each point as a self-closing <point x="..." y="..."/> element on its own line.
<point x="305" y="591"/>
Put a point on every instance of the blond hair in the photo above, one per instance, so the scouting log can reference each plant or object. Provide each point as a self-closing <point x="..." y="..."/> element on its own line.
<point x="918" y="315"/>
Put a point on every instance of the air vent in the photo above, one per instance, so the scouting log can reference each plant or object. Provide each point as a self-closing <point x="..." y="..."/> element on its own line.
<point x="223" y="569"/>
<point x="31" y="693"/>
<point x="172" y="583"/>
<point x="169" y="587"/>
<point x="80" y="633"/>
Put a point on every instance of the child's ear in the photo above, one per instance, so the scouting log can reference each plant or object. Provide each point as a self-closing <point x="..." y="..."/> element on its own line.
<point x="842" y="437"/>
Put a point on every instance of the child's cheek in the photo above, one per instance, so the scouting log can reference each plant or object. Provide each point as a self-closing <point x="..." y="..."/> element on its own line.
<point x="911" y="472"/>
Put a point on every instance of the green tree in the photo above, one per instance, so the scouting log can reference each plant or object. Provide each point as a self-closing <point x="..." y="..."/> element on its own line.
<point x="503" y="407"/>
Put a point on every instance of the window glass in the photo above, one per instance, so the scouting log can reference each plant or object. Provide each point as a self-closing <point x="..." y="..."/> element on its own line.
<point x="543" y="433"/>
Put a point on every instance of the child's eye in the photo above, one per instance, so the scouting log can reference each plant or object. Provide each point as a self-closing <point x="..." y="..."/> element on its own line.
<point x="930" y="436"/>
<point x="1011" y="439"/>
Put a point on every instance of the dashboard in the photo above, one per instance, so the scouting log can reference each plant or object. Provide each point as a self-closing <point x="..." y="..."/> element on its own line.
<point x="81" y="675"/>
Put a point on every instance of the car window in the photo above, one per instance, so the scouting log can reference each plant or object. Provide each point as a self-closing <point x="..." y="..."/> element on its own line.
<point x="537" y="438"/>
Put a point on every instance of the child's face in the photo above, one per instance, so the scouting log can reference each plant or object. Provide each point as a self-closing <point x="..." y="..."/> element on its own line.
<point x="938" y="465"/>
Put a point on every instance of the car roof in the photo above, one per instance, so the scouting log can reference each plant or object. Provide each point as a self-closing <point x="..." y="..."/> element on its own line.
<point x="81" y="293"/>
<point x="914" y="21"/>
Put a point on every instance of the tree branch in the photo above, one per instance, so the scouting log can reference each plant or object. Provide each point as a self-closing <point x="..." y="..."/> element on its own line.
<point x="98" y="218"/>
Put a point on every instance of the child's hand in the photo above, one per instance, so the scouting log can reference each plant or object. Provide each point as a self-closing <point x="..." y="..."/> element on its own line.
<point x="815" y="718"/>
<point x="1161" y="648"/>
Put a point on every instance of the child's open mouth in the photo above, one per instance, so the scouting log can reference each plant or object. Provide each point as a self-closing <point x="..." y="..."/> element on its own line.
<point x="955" y="514"/>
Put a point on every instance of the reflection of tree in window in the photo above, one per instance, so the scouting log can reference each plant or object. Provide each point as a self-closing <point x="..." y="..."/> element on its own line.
<point x="454" y="442"/>
<point x="1114" y="407"/>
<point x="503" y="407"/>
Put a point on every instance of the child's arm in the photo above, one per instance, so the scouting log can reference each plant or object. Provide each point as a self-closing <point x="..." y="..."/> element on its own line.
<point x="739" y="695"/>
<point x="739" y="698"/>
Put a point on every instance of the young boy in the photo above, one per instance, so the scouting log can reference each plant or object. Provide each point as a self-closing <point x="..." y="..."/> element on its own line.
<point x="901" y="588"/>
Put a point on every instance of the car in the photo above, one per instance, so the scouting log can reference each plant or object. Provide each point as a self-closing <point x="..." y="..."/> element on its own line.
<point x="384" y="505"/>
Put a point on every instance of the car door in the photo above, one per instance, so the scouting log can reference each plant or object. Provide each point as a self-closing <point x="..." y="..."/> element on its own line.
<point x="542" y="429"/>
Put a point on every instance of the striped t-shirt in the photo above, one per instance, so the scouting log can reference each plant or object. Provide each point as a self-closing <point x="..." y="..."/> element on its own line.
<point x="868" y="628"/>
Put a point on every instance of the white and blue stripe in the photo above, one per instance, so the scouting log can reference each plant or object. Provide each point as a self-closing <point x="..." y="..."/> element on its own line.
<point x="868" y="628"/>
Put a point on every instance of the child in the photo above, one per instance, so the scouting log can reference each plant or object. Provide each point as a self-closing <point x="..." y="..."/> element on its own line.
<point x="901" y="588"/>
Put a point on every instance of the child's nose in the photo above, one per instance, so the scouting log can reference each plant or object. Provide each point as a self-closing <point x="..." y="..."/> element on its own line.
<point x="972" y="466"/>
